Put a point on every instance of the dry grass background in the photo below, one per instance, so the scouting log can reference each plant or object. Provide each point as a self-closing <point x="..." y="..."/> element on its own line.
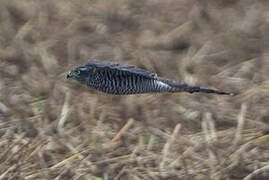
<point x="51" y="128"/>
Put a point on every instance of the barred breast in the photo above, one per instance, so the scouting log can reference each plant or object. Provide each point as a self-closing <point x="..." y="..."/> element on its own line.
<point x="122" y="83"/>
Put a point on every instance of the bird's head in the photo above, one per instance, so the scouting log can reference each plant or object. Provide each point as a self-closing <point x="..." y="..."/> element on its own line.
<point x="80" y="73"/>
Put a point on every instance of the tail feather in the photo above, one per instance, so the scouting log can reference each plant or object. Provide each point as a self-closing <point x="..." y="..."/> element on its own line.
<point x="176" y="87"/>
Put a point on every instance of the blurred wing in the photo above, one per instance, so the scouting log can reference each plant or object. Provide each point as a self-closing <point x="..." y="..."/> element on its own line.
<point x="119" y="69"/>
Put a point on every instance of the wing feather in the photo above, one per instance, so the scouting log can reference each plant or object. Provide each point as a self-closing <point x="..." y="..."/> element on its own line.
<point x="117" y="68"/>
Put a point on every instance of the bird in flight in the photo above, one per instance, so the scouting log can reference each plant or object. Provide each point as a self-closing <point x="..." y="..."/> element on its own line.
<point x="123" y="80"/>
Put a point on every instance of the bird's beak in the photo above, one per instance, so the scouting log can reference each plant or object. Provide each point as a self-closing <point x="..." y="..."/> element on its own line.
<point x="68" y="75"/>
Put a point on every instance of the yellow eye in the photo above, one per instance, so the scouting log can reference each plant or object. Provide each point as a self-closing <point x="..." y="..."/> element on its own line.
<point x="77" y="72"/>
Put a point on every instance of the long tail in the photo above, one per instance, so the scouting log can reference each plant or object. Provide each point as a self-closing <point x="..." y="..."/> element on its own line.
<point x="176" y="87"/>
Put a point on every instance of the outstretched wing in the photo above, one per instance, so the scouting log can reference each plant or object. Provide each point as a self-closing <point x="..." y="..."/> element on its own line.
<point x="119" y="69"/>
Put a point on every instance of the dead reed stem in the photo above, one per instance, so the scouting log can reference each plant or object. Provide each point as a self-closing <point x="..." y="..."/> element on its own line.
<point x="169" y="142"/>
<point x="211" y="140"/>
<point x="122" y="131"/>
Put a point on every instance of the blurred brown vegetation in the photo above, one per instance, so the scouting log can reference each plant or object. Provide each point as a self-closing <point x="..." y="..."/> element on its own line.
<point x="51" y="128"/>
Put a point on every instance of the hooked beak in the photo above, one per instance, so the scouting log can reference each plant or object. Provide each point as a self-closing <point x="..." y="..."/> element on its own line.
<point x="68" y="75"/>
